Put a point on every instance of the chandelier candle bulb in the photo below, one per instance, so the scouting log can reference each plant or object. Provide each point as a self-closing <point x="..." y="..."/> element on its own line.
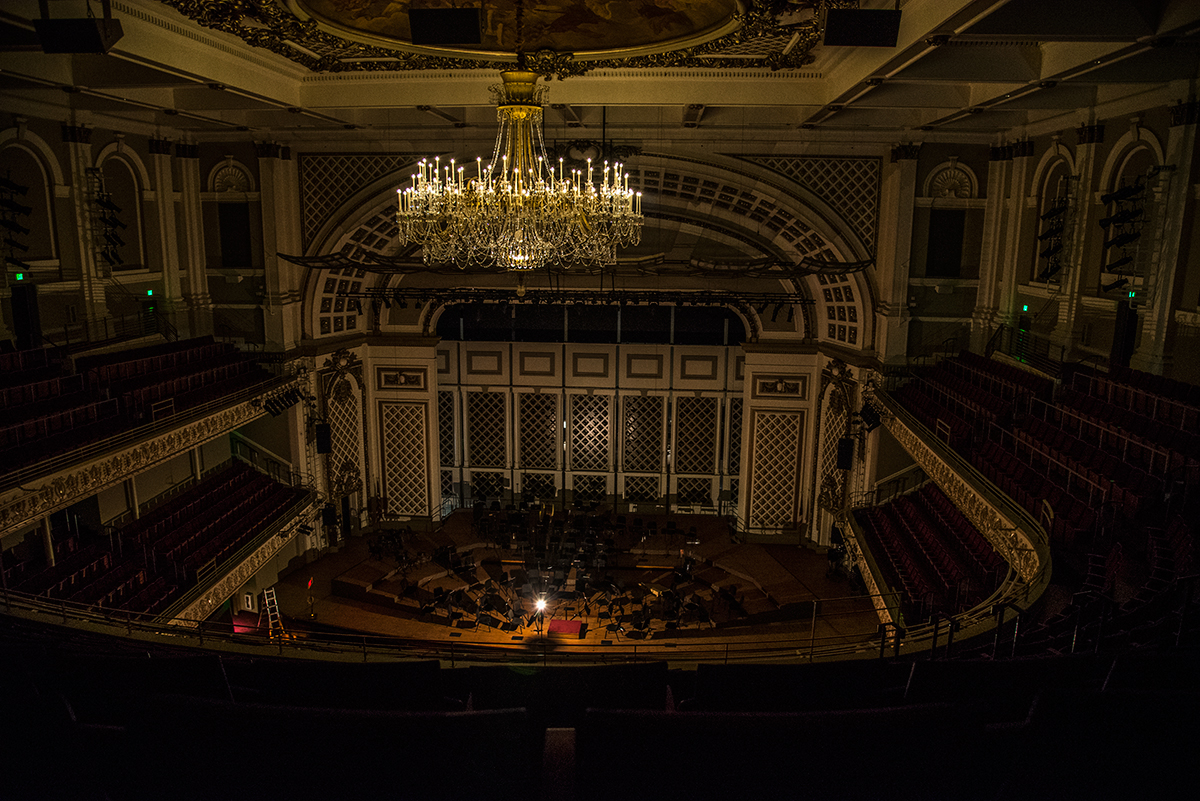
<point x="517" y="214"/>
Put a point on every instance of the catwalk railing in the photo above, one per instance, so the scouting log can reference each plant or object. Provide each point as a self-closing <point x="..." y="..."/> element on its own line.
<point x="803" y="644"/>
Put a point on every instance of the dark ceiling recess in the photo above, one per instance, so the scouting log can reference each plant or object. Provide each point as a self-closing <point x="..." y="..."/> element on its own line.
<point x="546" y="322"/>
<point x="85" y="35"/>
<point x="861" y="27"/>
<point x="445" y="26"/>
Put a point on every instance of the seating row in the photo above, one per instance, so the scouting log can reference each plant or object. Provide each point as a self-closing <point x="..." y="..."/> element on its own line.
<point x="38" y="428"/>
<point x="1002" y="380"/>
<point x="37" y="392"/>
<point x="1073" y="518"/>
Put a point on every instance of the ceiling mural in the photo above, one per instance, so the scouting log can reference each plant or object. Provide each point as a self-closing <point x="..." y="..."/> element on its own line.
<point x="559" y="25"/>
<point x="563" y="38"/>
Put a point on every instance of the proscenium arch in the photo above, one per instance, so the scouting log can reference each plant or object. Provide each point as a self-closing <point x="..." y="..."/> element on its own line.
<point x="813" y="227"/>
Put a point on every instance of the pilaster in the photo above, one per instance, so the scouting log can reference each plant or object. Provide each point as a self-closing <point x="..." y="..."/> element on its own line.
<point x="895" y="251"/>
<point x="1167" y="246"/>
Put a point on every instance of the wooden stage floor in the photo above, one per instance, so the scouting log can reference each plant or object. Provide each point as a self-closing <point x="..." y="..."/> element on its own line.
<point x="774" y="587"/>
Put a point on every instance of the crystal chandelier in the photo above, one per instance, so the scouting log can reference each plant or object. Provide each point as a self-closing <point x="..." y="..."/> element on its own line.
<point x="517" y="212"/>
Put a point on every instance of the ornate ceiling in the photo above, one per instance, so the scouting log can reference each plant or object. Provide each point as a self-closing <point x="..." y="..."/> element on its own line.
<point x="561" y="37"/>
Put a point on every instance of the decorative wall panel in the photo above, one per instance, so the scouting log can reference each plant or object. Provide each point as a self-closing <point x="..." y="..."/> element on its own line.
<point x="446" y="428"/>
<point x="486" y="436"/>
<point x="486" y="484"/>
<point x="539" y="485"/>
<point x="642" y="489"/>
<point x="538" y="430"/>
<point x="642" y="428"/>
<point x="405" y="469"/>
<point x="345" y="410"/>
<point x="775" y="468"/>
<point x="447" y="481"/>
<point x="590" y="488"/>
<point x="694" y="492"/>
<point x="695" y="434"/>
<point x="589" y="432"/>
<point x="735" y="436"/>
<point x="834" y="418"/>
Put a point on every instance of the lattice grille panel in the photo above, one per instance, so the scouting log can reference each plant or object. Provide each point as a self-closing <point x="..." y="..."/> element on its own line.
<point x="642" y="447"/>
<point x="694" y="492"/>
<point x="849" y="185"/>
<point x="446" y="428"/>
<point x="447" y="477"/>
<point x="404" y="456"/>
<point x="641" y="489"/>
<point x="835" y="417"/>
<point x="539" y="485"/>
<point x="735" y="488"/>
<point x="328" y="181"/>
<point x="589" y="488"/>
<point x="486" y="484"/>
<point x="695" y="434"/>
<point x="345" y="424"/>
<point x="775" y="468"/>
<point x="589" y="432"/>
<point x="735" y="436"/>
<point x="539" y="432"/>
<point x="485" y="413"/>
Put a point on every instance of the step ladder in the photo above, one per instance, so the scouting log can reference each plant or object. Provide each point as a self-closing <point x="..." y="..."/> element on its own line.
<point x="274" y="620"/>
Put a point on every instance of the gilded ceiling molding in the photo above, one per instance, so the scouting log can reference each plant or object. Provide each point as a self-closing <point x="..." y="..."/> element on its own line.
<point x="59" y="491"/>
<point x="271" y="26"/>
<point x="1009" y="540"/>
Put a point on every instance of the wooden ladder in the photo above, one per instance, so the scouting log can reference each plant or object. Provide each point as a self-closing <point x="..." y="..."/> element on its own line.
<point x="274" y="620"/>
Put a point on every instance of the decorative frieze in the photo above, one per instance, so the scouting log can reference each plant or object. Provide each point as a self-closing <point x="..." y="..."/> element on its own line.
<point x="62" y="489"/>
<point x="223" y="590"/>
<point x="1009" y="540"/>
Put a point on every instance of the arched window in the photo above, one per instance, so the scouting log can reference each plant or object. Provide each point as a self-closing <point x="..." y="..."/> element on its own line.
<point x="25" y="172"/>
<point x="121" y="184"/>
<point x="1126" y="213"/>
<point x="1053" y="209"/>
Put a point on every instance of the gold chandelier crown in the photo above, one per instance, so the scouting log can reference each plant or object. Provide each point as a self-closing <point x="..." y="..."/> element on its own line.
<point x="517" y="212"/>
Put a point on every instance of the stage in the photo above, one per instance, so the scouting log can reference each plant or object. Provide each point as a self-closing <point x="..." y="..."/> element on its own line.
<point x="669" y="582"/>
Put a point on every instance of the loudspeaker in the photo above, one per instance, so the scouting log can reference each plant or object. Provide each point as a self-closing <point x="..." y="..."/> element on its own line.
<point x="1124" y="334"/>
<point x="861" y="27"/>
<point x="845" y="453"/>
<point x="329" y="514"/>
<point x="78" y="35"/>
<point x="445" y="26"/>
<point x="27" y="323"/>
<point x="324" y="438"/>
<point x="870" y="417"/>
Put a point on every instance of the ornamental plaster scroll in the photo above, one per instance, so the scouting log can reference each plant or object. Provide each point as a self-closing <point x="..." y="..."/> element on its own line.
<point x="200" y="609"/>
<point x="65" y="488"/>
<point x="1009" y="541"/>
<point x="855" y="553"/>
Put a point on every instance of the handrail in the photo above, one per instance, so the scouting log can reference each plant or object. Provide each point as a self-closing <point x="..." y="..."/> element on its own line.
<point x="796" y="646"/>
<point x="132" y="436"/>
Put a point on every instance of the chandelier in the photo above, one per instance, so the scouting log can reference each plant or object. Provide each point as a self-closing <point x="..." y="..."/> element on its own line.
<point x="517" y="212"/>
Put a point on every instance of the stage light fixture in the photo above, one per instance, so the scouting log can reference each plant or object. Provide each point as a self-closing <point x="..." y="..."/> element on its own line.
<point x="1119" y="263"/>
<point x="1120" y="282"/>
<point x="1123" y="239"/>
<point x="1124" y="193"/>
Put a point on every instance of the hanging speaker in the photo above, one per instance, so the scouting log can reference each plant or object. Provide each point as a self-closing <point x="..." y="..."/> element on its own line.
<point x="870" y="417"/>
<point x="27" y="322"/>
<point x="329" y="514"/>
<point x="324" y="438"/>
<point x="845" y="453"/>
<point x="861" y="27"/>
